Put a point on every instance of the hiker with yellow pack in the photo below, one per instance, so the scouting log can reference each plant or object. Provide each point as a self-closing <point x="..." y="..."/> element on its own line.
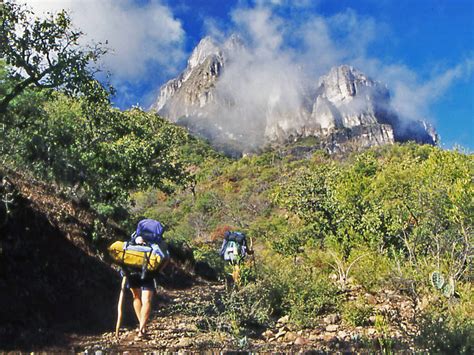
<point x="140" y="260"/>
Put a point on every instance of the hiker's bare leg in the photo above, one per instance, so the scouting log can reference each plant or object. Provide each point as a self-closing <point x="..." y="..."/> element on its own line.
<point x="137" y="301"/>
<point x="147" y="296"/>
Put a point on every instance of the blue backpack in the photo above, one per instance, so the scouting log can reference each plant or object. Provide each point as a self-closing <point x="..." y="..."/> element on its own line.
<point x="150" y="230"/>
<point x="152" y="233"/>
<point x="234" y="246"/>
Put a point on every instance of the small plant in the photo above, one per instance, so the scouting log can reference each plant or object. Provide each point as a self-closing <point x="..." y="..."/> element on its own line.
<point x="239" y="310"/>
<point x="243" y="343"/>
<point x="385" y="341"/>
<point x="343" y="268"/>
<point x="307" y="299"/>
<point x="438" y="281"/>
<point x="7" y="198"/>
<point x="241" y="271"/>
<point x="98" y="230"/>
<point x="446" y="333"/>
<point x="357" y="313"/>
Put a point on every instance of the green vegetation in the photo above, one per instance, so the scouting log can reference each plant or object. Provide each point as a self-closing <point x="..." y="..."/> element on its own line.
<point x="357" y="313"/>
<point x="386" y="218"/>
<point x="45" y="53"/>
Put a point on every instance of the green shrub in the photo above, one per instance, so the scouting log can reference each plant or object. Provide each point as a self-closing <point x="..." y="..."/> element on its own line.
<point x="240" y="310"/>
<point x="307" y="300"/>
<point x="297" y="289"/>
<point x="371" y="271"/>
<point x="357" y="313"/>
<point x="209" y="253"/>
<point x="447" y="325"/>
<point x="446" y="334"/>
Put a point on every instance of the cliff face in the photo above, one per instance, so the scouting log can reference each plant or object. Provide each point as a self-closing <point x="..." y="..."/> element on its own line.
<point x="191" y="91"/>
<point x="345" y="109"/>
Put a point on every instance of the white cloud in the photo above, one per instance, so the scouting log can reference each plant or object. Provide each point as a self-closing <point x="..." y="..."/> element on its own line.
<point x="412" y="97"/>
<point x="288" y="51"/>
<point x="138" y="36"/>
<point x="287" y="3"/>
<point x="261" y="29"/>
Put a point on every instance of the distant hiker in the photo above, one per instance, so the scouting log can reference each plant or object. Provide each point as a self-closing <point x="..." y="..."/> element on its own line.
<point x="142" y="284"/>
<point x="234" y="247"/>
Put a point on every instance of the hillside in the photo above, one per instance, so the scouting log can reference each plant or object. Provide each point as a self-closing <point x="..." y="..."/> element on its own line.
<point x="53" y="278"/>
<point x="345" y="245"/>
<point x="66" y="292"/>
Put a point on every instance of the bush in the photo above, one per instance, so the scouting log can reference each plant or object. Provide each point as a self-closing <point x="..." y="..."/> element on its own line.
<point x="447" y="325"/>
<point x="240" y="310"/>
<point x="371" y="271"/>
<point x="209" y="254"/>
<point x="357" y="313"/>
<point x="307" y="300"/>
<point x="446" y="334"/>
<point x="298" y="290"/>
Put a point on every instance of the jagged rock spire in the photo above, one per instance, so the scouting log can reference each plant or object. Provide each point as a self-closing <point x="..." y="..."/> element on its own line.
<point x="345" y="99"/>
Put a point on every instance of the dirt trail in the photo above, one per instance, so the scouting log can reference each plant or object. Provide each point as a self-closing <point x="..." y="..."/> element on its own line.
<point x="174" y="325"/>
<point x="179" y="323"/>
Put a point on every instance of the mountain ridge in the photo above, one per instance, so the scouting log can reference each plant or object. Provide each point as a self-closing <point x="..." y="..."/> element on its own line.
<point x="223" y="109"/>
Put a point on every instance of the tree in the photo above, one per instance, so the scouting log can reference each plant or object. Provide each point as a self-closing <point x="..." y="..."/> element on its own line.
<point x="101" y="151"/>
<point x="45" y="53"/>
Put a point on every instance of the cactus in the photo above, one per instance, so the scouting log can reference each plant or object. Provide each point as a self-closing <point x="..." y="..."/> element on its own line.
<point x="448" y="288"/>
<point x="437" y="280"/>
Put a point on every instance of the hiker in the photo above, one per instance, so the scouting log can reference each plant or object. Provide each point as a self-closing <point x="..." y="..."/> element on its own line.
<point x="141" y="284"/>
<point x="234" y="247"/>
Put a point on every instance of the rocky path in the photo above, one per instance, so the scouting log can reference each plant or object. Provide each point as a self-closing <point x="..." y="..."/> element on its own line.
<point x="180" y="323"/>
<point x="173" y="325"/>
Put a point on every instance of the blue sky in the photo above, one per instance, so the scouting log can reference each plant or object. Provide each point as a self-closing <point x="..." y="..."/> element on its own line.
<point x="423" y="50"/>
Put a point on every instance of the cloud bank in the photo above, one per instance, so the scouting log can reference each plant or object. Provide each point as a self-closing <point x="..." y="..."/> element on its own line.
<point x="290" y="44"/>
<point x="140" y="37"/>
<point x="289" y="50"/>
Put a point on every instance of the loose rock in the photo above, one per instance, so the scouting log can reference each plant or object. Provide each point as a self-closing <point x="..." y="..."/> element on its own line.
<point x="290" y="337"/>
<point x="341" y="334"/>
<point x="332" y="319"/>
<point x="267" y="334"/>
<point x="300" y="341"/>
<point x="332" y="327"/>
<point x="184" y="342"/>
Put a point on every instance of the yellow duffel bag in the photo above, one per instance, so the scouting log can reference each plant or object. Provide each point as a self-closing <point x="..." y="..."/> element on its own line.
<point x="135" y="256"/>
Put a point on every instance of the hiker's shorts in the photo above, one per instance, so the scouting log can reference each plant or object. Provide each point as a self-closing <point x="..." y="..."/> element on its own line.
<point x="135" y="281"/>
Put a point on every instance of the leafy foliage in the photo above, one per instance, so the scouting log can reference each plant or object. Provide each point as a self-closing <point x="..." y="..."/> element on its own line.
<point x="106" y="153"/>
<point x="45" y="53"/>
<point x="357" y="313"/>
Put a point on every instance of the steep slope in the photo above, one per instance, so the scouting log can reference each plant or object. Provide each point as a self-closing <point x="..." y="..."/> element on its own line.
<point x="55" y="280"/>
<point x="344" y="108"/>
<point x="51" y="278"/>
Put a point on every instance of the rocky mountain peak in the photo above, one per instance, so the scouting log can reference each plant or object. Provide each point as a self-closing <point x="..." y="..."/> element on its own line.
<point x="205" y="48"/>
<point x="344" y="108"/>
<point x="344" y="82"/>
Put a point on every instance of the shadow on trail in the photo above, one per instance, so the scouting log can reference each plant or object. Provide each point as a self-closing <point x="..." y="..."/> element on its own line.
<point x="53" y="284"/>
<point x="48" y="286"/>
